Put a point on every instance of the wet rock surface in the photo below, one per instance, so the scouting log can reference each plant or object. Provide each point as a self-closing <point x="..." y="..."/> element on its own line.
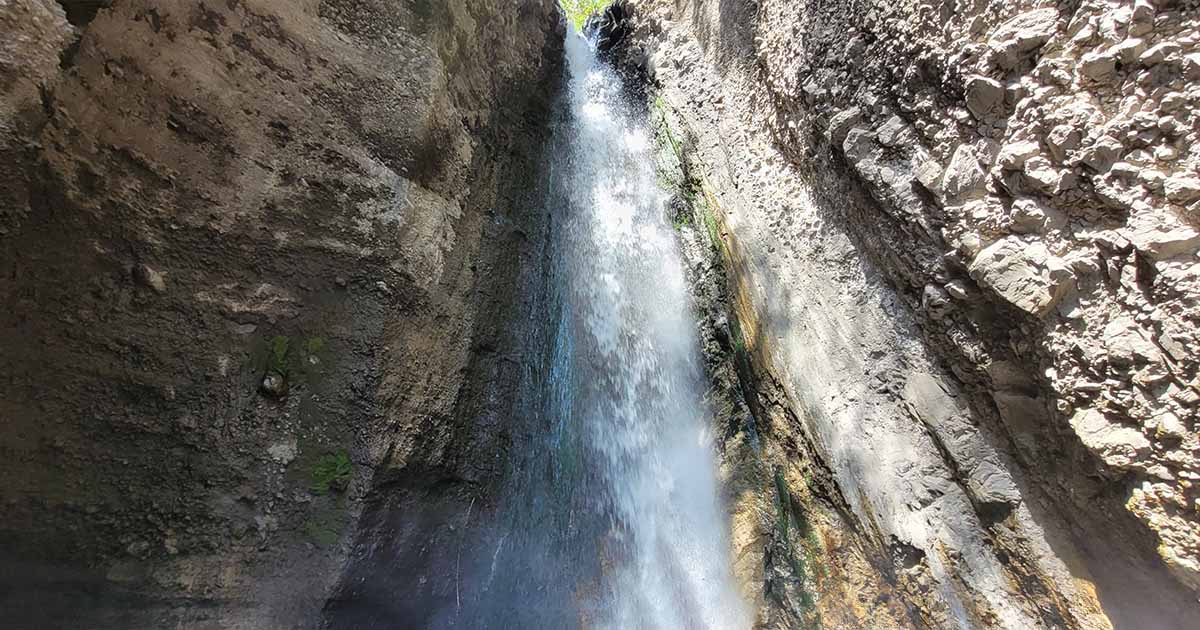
<point x="962" y="244"/>
<point x="610" y="27"/>
<point x="244" y="245"/>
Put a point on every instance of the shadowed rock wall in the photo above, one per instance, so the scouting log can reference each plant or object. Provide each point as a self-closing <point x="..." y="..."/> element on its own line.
<point x="198" y="195"/>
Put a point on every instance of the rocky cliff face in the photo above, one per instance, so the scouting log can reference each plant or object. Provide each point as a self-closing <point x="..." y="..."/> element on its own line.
<point x="243" y="246"/>
<point x="961" y="245"/>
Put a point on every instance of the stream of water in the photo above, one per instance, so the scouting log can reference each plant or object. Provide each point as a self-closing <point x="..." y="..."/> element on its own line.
<point x="627" y="380"/>
<point x="608" y="516"/>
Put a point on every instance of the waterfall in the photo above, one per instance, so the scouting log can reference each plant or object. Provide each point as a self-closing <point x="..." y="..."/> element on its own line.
<point x="635" y="377"/>
<point x="609" y="514"/>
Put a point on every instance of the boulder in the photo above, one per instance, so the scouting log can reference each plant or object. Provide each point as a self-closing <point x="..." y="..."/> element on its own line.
<point x="1098" y="66"/>
<point x="283" y="452"/>
<point x="1161" y="240"/>
<point x="1031" y="216"/>
<point x="273" y="385"/>
<point x="1159" y="53"/>
<point x="957" y="289"/>
<point x="149" y="277"/>
<point x="1191" y="66"/>
<point x="1141" y="19"/>
<point x="893" y="132"/>
<point x="841" y="124"/>
<point x="1025" y="275"/>
<point x="929" y="174"/>
<point x="964" y="177"/>
<point x="859" y="147"/>
<point x="1182" y="188"/>
<point x="1023" y="34"/>
<point x="1014" y="154"/>
<point x="1119" y="446"/>
<point x="1126" y="344"/>
<point x="1061" y="140"/>
<point x="1041" y="174"/>
<point x="985" y="97"/>
<point x="1171" y="427"/>
<point x="1128" y="51"/>
<point x="934" y="300"/>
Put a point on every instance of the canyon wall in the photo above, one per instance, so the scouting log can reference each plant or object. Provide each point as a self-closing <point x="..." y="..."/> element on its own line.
<point x="244" y="250"/>
<point x="960" y="244"/>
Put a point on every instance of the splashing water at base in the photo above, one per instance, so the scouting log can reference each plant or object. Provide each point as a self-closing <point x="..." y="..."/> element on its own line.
<point x="636" y="380"/>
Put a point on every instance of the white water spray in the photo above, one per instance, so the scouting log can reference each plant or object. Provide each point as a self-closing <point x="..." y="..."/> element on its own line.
<point x="637" y="382"/>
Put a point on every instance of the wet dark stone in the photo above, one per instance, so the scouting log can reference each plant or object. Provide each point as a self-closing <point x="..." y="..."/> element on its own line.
<point x="611" y="26"/>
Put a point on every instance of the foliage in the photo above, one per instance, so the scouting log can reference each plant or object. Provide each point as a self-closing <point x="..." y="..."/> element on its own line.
<point x="290" y="357"/>
<point x="321" y="533"/>
<point x="693" y="188"/>
<point x="314" y="345"/>
<point x="331" y="472"/>
<point x="710" y="223"/>
<point x="279" y="353"/>
<point x="662" y="112"/>
<point x="578" y="11"/>
<point x="739" y="337"/>
<point x="681" y="220"/>
<point x="799" y="560"/>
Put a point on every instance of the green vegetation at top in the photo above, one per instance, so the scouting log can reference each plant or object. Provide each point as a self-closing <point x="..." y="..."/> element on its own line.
<point x="578" y="11"/>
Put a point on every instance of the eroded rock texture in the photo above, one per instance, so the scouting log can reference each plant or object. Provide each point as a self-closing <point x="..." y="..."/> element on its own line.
<point x="243" y="247"/>
<point x="963" y="245"/>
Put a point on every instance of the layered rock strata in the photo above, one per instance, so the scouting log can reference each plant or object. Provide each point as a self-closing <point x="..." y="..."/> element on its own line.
<point x="962" y="245"/>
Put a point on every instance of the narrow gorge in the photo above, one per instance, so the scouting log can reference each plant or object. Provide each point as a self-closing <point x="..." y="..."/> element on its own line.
<point x="632" y="314"/>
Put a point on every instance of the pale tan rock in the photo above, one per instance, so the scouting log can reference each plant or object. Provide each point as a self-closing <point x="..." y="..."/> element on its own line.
<point x="1098" y="67"/>
<point x="1062" y="139"/>
<point x="1170" y="426"/>
<point x="1025" y="274"/>
<point x="1159" y="53"/>
<point x="1102" y="153"/>
<point x="1043" y="175"/>
<point x="151" y="278"/>
<point x="1129" y="50"/>
<point x="1127" y="343"/>
<point x="985" y="97"/>
<point x="1014" y="154"/>
<point x="1182" y="188"/>
<point x="964" y="177"/>
<point x="1023" y="34"/>
<point x="1161" y="239"/>
<point x="1119" y="446"/>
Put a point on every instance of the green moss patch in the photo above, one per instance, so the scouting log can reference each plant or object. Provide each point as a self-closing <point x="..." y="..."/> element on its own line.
<point x="325" y="522"/>
<point x="297" y="359"/>
<point x="280" y="348"/>
<point x="798" y="541"/>
<point x="332" y="472"/>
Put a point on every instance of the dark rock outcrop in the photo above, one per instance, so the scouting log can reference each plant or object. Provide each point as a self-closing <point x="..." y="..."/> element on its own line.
<point x="610" y="27"/>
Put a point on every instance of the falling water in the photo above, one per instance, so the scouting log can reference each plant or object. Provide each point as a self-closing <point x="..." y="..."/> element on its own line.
<point x="635" y="375"/>
<point x="608" y="516"/>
